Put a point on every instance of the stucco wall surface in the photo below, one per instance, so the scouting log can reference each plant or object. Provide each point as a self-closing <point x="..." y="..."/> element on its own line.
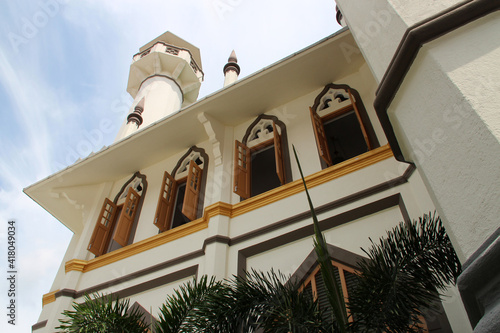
<point x="379" y="25"/>
<point x="446" y="118"/>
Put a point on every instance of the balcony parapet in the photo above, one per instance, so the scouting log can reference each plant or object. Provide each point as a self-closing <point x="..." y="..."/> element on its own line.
<point x="173" y="50"/>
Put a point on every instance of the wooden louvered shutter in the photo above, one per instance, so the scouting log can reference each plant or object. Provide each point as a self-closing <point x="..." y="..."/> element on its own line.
<point x="360" y="121"/>
<point x="104" y="225"/>
<point x="242" y="170"/>
<point x="193" y="184"/>
<point x="278" y="154"/>
<point x="166" y="201"/>
<point x="319" y="133"/>
<point x="127" y="216"/>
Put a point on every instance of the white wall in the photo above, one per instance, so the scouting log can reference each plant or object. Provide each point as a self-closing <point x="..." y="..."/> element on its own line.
<point x="446" y="118"/>
<point x="379" y="25"/>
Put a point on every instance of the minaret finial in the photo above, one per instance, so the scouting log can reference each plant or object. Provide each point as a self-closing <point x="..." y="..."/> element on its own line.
<point x="231" y="69"/>
<point x="232" y="57"/>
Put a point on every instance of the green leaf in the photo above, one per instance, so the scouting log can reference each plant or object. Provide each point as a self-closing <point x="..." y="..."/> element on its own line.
<point x="335" y="297"/>
<point x="402" y="276"/>
<point x="102" y="313"/>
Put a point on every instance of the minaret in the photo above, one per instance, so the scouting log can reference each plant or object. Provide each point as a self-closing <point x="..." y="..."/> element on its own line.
<point x="164" y="76"/>
<point x="231" y="70"/>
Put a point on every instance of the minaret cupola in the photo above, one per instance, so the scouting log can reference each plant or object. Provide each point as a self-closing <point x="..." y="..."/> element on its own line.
<point x="164" y="76"/>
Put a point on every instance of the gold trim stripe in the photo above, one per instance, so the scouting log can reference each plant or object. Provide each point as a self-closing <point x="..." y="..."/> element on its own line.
<point x="225" y="209"/>
<point x="147" y="244"/>
<point x="49" y="297"/>
<point x="318" y="178"/>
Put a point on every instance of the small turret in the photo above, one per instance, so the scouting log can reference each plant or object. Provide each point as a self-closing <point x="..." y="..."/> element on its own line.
<point x="231" y="69"/>
<point x="135" y="117"/>
<point x="340" y="17"/>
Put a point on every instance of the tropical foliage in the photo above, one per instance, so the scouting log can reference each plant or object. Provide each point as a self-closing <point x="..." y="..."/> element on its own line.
<point x="257" y="301"/>
<point x="103" y="313"/>
<point x="177" y="314"/>
<point x="335" y="297"/>
<point x="402" y="276"/>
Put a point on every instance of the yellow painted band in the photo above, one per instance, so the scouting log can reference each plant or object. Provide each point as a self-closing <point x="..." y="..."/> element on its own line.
<point x="49" y="297"/>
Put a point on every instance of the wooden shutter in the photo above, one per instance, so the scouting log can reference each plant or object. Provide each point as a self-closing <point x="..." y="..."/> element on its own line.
<point x="242" y="170"/>
<point x="360" y="121"/>
<point x="319" y="133"/>
<point x="193" y="184"/>
<point x="127" y="216"/>
<point x="278" y="154"/>
<point x="103" y="227"/>
<point x="166" y="201"/>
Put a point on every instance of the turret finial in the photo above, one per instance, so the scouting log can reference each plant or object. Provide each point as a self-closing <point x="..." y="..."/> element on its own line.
<point x="232" y="57"/>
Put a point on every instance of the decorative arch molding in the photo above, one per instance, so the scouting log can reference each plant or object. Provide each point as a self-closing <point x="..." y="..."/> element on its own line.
<point x="361" y="107"/>
<point x="137" y="176"/>
<point x="281" y="125"/>
<point x="137" y="180"/>
<point x="336" y="253"/>
<point x="184" y="161"/>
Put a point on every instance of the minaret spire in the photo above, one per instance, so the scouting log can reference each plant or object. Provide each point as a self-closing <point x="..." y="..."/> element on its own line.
<point x="231" y="69"/>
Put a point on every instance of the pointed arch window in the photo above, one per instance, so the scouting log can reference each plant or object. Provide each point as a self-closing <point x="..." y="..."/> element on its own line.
<point x="341" y="125"/>
<point x="261" y="159"/>
<point x="117" y="221"/>
<point x="344" y="263"/>
<point x="346" y="277"/>
<point x="315" y="287"/>
<point x="181" y="194"/>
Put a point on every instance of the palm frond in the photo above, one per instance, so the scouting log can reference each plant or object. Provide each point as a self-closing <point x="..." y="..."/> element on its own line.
<point x="335" y="297"/>
<point x="403" y="275"/>
<point x="275" y="305"/>
<point x="258" y="301"/>
<point x="178" y="311"/>
<point x="102" y="313"/>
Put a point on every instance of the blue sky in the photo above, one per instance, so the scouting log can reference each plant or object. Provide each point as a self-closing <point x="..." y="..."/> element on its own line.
<point x="63" y="70"/>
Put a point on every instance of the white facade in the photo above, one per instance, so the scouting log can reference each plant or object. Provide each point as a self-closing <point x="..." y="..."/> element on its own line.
<point x="357" y="199"/>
